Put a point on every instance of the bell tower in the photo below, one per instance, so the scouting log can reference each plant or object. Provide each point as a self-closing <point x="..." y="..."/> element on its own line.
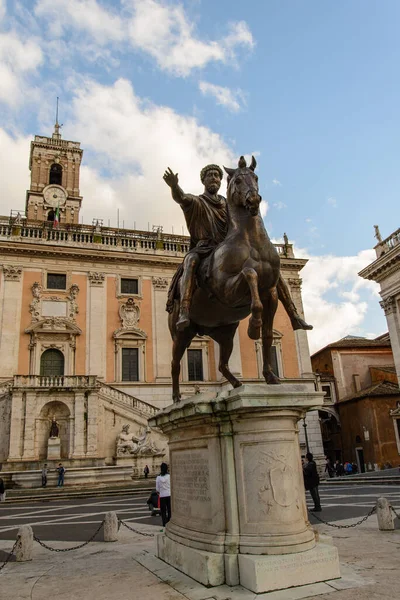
<point x="54" y="190"/>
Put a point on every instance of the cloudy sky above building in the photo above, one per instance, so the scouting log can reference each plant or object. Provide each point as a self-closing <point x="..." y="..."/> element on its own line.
<point x="311" y="88"/>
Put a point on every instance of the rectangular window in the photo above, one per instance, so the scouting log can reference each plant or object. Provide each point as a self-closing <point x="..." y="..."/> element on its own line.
<point x="56" y="281"/>
<point x="195" y="365"/>
<point x="130" y="364"/>
<point x="274" y="361"/>
<point x="129" y="286"/>
<point x="327" y="390"/>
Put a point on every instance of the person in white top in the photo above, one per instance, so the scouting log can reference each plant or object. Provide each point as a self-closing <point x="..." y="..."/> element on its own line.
<point x="163" y="487"/>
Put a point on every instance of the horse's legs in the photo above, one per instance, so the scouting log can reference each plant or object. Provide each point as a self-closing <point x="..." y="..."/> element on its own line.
<point x="224" y="337"/>
<point x="270" y="304"/>
<point x="284" y="296"/>
<point x="255" y="322"/>
<point x="180" y="341"/>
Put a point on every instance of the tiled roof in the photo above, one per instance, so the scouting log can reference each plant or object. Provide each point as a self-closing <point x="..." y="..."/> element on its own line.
<point x="382" y="388"/>
<point x="357" y="342"/>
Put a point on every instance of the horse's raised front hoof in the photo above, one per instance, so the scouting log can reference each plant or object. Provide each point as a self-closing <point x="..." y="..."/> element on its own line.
<point x="237" y="384"/>
<point x="299" y="323"/>
<point x="271" y="378"/>
<point x="254" y="328"/>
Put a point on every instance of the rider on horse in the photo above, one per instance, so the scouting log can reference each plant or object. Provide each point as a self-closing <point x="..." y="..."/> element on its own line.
<point x="206" y="219"/>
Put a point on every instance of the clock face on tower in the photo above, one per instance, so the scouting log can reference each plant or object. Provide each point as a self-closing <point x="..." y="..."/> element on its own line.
<point x="55" y="195"/>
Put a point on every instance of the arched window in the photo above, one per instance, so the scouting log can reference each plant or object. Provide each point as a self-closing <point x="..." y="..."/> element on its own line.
<point x="50" y="215"/>
<point x="56" y="174"/>
<point x="52" y="363"/>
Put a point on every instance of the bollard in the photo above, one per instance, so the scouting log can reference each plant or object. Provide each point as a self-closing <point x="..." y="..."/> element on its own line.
<point x="24" y="547"/>
<point x="110" y="527"/>
<point x="384" y="514"/>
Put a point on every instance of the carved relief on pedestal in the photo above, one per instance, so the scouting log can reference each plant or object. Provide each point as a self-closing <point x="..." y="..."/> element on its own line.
<point x="12" y="273"/>
<point x="96" y="279"/>
<point x="142" y="444"/>
<point x="160" y="283"/>
<point x="389" y="305"/>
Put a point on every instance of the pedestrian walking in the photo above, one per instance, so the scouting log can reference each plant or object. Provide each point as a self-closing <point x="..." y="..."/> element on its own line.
<point x="339" y="469"/>
<point x="44" y="476"/>
<point x="311" y="481"/>
<point x="329" y="468"/>
<point x="146" y="471"/>
<point x="2" y="491"/>
<point x="61" y="474"/>
<point x="163" y="487"/>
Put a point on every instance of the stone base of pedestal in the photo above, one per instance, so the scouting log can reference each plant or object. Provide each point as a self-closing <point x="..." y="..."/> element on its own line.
<point x="205" y="567"/>
<point x="268" y="573"/>
<point x="258" y="573"/>
<point x="53" y="449"/>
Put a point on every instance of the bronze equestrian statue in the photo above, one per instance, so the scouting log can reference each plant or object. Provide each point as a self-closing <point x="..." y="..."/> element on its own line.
<point x="231" y="270"/>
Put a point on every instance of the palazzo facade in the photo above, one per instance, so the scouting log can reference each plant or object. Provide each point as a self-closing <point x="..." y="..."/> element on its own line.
<point x="83" y="328"/>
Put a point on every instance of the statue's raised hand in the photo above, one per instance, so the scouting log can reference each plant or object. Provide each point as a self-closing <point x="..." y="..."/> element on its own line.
<point x="171" y="178"/>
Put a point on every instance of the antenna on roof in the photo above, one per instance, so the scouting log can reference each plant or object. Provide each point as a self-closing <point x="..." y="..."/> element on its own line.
<point x="57" y="126"/>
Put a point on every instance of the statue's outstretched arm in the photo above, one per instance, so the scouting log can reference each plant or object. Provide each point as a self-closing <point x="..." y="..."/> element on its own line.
<point x="177" y="192"/>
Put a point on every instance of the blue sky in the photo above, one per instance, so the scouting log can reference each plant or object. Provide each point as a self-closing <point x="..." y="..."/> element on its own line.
<point x="311" y="87"/>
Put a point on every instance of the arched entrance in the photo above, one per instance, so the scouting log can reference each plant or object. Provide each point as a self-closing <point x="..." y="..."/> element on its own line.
<point x="52" y="363"/>
<point x="43" y="424"/>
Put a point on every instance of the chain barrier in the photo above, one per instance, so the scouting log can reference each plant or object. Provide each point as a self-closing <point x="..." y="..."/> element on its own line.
<point x="371" y="512"/>
<point x="73" y="547"/>
<point x="393" y="509"/>
<point x="135" y="530"/>
<point x="10" y="555"/>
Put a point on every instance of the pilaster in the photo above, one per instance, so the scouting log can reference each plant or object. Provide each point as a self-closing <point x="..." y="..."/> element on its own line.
<point x="16" y="432"/>
<point x="10" y="310"/>
<point x="92" y="419"/>
<point x="97" y="324"/>
<point x="79" y="425"/>
<point x="29" y="429"/>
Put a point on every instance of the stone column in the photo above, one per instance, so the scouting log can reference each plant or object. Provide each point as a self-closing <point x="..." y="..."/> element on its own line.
<point x="390" y="306"/>
<point x="97" y="324"/>
<point x="79" y="425"/>
<point x="30" y="426"/>
<point x="162" y="345"/>
<point x="303" y="350"/>
<point x="238" y="502"/>
<point x="15" y="452"/>
<point x="92" y="433"/>
<point x="10" y="317"/>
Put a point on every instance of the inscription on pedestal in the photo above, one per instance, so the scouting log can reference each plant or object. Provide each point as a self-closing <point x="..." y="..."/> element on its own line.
<point x="191" y="483"/>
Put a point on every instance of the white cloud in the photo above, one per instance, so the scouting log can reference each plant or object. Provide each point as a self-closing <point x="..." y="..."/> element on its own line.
<point x="136" y="141"/>
<point x="343" y="311"/>
<point x="264" y="208"/>
<point x="17" y="60"/>
<point x="2" y="9"/>
<point x="276" y="182"/>
<point x="223" y="95"/>
<point x="14" y="174"/>
<point x="84" y="15"/>
<point x="165" y="32"/>
<point x="332" y="202"/>
<point x="279" y="205"/>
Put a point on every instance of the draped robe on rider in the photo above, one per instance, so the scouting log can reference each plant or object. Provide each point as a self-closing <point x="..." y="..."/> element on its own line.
<point x="206" y="219"/>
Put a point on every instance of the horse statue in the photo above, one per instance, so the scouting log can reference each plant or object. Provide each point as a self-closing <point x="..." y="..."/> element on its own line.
<point x="239" y="278"/>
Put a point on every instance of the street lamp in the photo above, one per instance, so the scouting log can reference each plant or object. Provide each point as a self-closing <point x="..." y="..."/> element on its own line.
<point x="305" y="434"/>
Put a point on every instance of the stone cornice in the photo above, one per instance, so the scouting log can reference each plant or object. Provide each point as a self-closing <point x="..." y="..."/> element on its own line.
<point x="382" y="267"/>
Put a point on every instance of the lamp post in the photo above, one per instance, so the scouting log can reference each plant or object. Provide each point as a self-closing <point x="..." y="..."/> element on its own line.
<point x="305" y="434"/>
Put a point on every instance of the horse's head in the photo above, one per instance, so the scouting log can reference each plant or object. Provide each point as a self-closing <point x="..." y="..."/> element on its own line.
<point x="243" y="186"/>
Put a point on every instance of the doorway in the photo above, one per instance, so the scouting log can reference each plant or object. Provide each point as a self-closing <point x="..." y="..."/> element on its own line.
<point x="360" y="460"/>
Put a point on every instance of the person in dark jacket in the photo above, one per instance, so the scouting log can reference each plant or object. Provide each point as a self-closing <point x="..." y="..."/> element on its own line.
<point x="311" y="481"/>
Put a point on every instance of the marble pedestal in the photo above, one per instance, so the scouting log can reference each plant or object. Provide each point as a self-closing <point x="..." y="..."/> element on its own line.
<point x="53" y="448"/>
<point x="238" y="503"/>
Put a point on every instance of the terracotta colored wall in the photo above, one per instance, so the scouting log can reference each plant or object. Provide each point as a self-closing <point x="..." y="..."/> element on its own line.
<point x="373" y="414"/>
<point x="29" y="278"/>
<point x="113" y="323"/>
<point x="80" y="354"/>
<point x="146" y="323"/>
<point x="288" y="341"/>
<point x="322" y="362"/>
<point x="289" y="350"/>
<point x="247" y="352"/>
<point x="379" y="375"/>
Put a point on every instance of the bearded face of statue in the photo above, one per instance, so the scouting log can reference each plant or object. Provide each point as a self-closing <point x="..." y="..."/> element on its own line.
<point x="212" y="181"/>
